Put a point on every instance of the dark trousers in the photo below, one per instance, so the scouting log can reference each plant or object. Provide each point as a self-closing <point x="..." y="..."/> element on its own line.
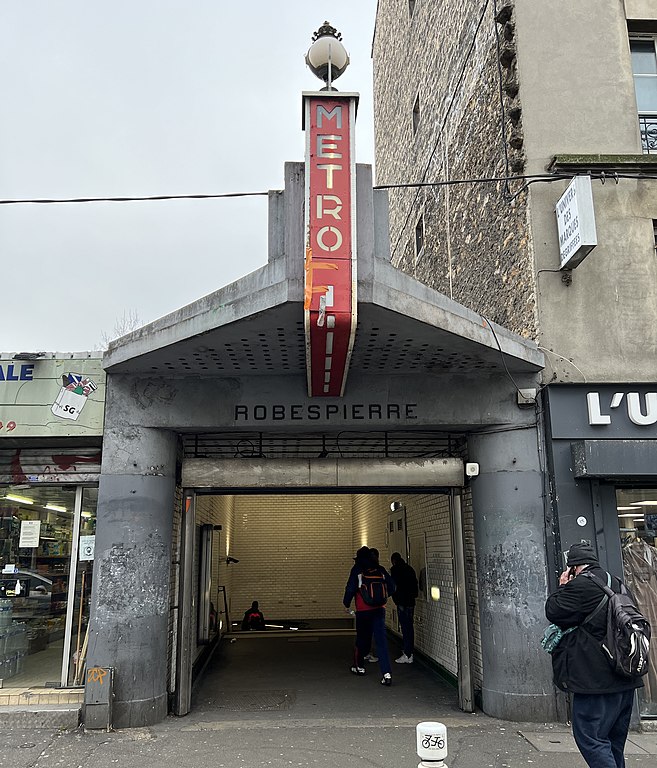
<point x="600" y="725"/>
<point x="405" y="614"/>
<point x="368" y="624"/>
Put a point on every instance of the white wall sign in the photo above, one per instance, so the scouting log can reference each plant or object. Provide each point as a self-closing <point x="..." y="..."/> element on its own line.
<point x="576" y="222"/>
<point x="30" y="533"/>
<point x="87" y="547"/>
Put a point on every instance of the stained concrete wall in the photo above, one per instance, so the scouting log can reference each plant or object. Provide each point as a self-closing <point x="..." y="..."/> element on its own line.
<point x="581" y="101"/>
<point x="511" y="563"/>
<point x="130" y="595"/>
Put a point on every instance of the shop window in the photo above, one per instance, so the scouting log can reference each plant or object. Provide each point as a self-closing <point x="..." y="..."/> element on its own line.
<point x="644" y="70"/>
<point x="637" y="525"/>
<point x="46" y="554"/>
<point x="654" y="233"/>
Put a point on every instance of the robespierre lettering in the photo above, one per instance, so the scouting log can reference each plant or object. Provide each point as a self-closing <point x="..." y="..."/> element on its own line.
<point x="327" y="412"/>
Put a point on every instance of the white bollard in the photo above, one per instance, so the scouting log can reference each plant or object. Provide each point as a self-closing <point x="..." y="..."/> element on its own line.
<point x="431" y="745"/>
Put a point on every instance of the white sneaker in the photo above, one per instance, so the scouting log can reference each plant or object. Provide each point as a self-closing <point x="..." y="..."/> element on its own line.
<point x="371" y="657"/>
<point x="404" y="659"/>
<point x="387" y="679"/>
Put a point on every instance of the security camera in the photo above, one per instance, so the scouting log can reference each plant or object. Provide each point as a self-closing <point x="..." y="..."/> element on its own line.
<point x="230" y="560"/>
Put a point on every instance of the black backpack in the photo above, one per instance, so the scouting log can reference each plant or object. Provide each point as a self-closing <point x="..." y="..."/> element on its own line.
<point x="626" y="644"/>
<point x="372" y="587"/>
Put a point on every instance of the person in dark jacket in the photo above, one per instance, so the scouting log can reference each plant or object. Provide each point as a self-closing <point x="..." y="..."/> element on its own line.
<point x="253" y="618"/>
<point x="371" y="656"/>
<point x="601" y="699"/>
<point x="404" y="598"/>
<point x="370" y="620"/>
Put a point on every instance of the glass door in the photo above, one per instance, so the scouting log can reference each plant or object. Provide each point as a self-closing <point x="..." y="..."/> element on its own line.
<point x="637" y="523"/>
<point x="79" y="597"/>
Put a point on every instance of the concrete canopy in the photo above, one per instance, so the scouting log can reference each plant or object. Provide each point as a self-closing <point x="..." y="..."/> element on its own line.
<point x="255" y="326"/>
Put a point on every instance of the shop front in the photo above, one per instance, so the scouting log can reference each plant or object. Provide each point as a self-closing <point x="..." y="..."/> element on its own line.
<point x="51" y="416"/>
<point x="603" y="454"/>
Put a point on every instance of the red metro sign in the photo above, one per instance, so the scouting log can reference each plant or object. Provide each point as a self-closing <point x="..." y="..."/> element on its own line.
<point x="330" y="227"/>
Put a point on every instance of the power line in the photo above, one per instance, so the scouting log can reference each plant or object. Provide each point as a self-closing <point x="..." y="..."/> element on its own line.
<point x="42" y="200"/>
<point x="482" y="180"/>
<point x="602" y="176"/>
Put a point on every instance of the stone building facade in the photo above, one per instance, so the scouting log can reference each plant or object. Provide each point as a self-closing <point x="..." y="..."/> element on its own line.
<point x="509" y="100"/>
<point x="445" y="110"/>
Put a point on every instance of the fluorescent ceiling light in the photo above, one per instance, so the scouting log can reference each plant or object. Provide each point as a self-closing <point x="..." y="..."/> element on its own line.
<point x="86" y="514"/>
<point x="623" y="509"/>
<point x="19" y="499"/>
<point x="644" y="503"/>
<point x="632" y="515"/>
<point x="55" y="508"/>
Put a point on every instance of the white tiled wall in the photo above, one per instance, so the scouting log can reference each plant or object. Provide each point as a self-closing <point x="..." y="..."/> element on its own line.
<point x="435" y="622"/>
<point x="295" y="553"/>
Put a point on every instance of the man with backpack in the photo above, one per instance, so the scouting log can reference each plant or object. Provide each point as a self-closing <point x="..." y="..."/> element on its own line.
<point x="602" y="696"/>
<point x="369" y="585"/>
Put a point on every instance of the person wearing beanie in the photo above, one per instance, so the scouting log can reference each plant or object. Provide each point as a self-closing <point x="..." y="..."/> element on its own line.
<point x="370" y="619"/>
<point x="601" y="699"/>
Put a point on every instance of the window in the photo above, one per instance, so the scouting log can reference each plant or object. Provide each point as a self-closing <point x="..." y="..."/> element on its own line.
<point x="411" y="8"/>
<point x="644" y="69"/>
<point x="419" y="237"/>
<point x="416" y="114"/>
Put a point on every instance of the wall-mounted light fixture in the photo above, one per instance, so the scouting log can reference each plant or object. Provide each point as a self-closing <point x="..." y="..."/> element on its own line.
<point x="396" y="506"/>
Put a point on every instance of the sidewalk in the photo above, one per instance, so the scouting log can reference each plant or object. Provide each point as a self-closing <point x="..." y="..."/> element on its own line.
<point x="276" y="703"/>
<point x="474" y="742"/>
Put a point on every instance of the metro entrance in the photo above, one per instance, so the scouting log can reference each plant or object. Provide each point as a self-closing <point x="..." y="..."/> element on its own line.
<point x="293" y="551"/>
<point x="214" y="399"/>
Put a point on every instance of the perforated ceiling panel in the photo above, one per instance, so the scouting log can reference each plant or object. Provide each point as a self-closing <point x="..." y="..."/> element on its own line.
<point x="274" y="351"/>
<point x="273" y="343"/>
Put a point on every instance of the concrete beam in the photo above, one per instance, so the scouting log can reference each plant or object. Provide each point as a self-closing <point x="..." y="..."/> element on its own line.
<point x="322" y="473"/>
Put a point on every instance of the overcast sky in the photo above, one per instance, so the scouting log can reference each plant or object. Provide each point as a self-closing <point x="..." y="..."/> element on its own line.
<point x="149" y="97"/>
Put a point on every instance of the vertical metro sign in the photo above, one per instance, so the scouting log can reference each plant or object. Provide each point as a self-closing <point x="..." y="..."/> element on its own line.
<point x="330" y="231"/>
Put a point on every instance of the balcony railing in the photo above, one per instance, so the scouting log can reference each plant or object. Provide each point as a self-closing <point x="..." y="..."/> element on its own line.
<point x="648" y="127"/>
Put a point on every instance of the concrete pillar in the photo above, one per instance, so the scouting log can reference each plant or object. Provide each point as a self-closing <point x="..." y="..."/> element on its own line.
<point x="512" y="575"/>
<point x="130" y="596"/>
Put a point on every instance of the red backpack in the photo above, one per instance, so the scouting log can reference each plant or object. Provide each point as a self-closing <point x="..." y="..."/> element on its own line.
<point x="372" y="587"/>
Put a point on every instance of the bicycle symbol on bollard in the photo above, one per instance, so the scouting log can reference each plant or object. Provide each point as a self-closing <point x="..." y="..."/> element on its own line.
<point x="433" y="742"/>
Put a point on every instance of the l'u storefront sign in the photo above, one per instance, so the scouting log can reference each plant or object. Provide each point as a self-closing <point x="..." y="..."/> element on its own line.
<point x="330" y="227"/>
